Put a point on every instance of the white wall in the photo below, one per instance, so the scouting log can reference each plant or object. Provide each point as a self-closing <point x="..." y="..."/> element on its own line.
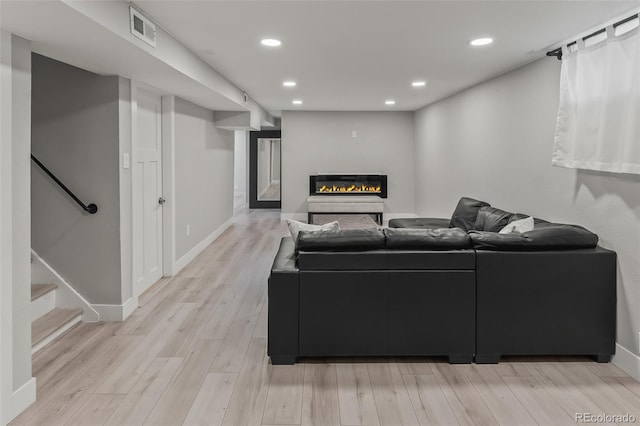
<point x="494" y="142"/>
<point x="315" y="142"/>
<point x="204" y="175"/>
<point x="75" y="122"/>
<point x="240" y="162"/>
<point x="17" y="387"/>
<point x="125" y="187"/>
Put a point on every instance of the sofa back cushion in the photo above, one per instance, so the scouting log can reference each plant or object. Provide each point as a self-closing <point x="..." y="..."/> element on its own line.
<point x="464" y="216"/>
<point x="545" y="236"/>
<point x="427" y="239"/>
<point x="341" y="240"/>
<point x="491" y="219"/>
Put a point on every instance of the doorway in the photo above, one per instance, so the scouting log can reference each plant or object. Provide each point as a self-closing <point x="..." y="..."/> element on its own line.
<point x="147" y="187"/>
<point x="265" y="169"/>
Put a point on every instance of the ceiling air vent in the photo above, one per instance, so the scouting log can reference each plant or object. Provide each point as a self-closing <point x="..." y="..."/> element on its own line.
<point x="142" y="27"/>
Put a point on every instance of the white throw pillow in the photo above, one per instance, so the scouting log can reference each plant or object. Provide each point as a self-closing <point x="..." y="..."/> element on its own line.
<point x="518" y="226"/>
<point x="295" y="227"/>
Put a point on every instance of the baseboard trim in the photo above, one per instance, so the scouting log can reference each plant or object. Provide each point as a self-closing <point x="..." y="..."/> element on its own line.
<point x="21" y="398"/>
<point x="116" y="312"/>
<point x="198" y="248"/>
<point x="627" y="361"/>
<point x="129" y="306"/>
<point x="66" y="295"/>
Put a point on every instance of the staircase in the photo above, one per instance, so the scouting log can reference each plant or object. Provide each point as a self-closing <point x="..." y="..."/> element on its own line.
<point x="47" y="321"/>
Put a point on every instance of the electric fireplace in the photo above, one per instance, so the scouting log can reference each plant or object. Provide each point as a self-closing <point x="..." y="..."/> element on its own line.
<point x="352" y="184"/>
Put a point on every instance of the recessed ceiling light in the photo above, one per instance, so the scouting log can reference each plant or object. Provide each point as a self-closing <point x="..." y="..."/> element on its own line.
<point x="390" y="102"/>
<point x="271" y="42"/>
<point x="419" y="83"/>
<point x="481" y="41"/>
<point x="297" y="102"/>
<point x="289" y="83"/>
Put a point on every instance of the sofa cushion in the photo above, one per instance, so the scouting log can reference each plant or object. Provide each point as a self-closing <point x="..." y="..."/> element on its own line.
<point x="427" y="239"/>
<point x="341" y="240"/>
<point x="464" y="216"/>
<point x="545" y="236"/>
<point x="491" y="219"/>
<point x="419" y="223"/>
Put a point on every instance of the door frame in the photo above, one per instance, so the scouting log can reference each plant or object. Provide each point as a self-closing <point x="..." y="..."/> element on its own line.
<point x="168" y="179"/>
<point x="254" y="203"/>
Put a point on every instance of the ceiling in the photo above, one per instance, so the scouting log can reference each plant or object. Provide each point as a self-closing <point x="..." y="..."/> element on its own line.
<point x="73" y="38"/>
<point x="354" y="55"/>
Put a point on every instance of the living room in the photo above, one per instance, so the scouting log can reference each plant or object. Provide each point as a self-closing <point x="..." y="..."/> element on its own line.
<point x="200" y="338"/>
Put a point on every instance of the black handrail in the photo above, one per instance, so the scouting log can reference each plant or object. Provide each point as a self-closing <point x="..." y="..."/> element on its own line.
<point x="91" y="208"/>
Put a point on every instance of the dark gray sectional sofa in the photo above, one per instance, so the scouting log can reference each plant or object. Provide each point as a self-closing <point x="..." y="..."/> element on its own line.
<point x="451" y="287"/>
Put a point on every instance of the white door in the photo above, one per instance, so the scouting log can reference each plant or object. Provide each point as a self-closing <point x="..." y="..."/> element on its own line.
<point x="147" y="188"/>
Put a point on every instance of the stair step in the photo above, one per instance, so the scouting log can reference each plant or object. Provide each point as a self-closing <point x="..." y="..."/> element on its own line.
<point x="39" y="290"/>
<point x="52" y="325"/>
<point x="43" y="299"/>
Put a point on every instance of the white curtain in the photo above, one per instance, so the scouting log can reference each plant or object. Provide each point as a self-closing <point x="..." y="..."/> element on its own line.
<point x="598" y="126"/>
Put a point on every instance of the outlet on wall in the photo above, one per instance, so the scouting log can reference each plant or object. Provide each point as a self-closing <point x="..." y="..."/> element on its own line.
<point x="639" y="342"/>
<point x="188" y="230"/>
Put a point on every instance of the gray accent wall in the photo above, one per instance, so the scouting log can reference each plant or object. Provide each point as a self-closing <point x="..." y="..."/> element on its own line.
<point x="204" y="175"/>
<point x="315" y="142"/>
<point x="494" y="142"/>
<point x="75" y="133"/>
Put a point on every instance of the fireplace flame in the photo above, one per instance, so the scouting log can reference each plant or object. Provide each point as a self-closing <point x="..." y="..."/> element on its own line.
<point x="350" y="188"/>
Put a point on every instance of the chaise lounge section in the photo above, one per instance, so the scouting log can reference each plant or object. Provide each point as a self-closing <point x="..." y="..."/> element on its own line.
<point x="349" y="294"/>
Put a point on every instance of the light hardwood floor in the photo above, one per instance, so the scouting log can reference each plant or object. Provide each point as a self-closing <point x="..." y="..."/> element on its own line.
<point x="272" y="193"/>
<point x="194" y="353"/>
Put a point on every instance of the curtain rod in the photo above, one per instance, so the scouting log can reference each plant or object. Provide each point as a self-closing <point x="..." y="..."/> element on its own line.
<point x="558" y="51"/>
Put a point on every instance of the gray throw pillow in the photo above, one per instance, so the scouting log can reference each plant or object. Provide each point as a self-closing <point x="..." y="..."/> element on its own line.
<point x="296" y="226"/>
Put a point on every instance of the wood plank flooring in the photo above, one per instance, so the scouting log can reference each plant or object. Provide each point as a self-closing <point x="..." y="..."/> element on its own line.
<point x="194" y="353"/>
<point x="39" y="290"/>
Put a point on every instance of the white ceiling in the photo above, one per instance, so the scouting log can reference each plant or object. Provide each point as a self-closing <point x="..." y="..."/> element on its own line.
<point x="352" y="55"/>
<point x="62" y="33"/>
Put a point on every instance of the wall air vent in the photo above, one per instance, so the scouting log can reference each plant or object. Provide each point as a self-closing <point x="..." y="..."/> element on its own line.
<point x="142" y="27"/>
